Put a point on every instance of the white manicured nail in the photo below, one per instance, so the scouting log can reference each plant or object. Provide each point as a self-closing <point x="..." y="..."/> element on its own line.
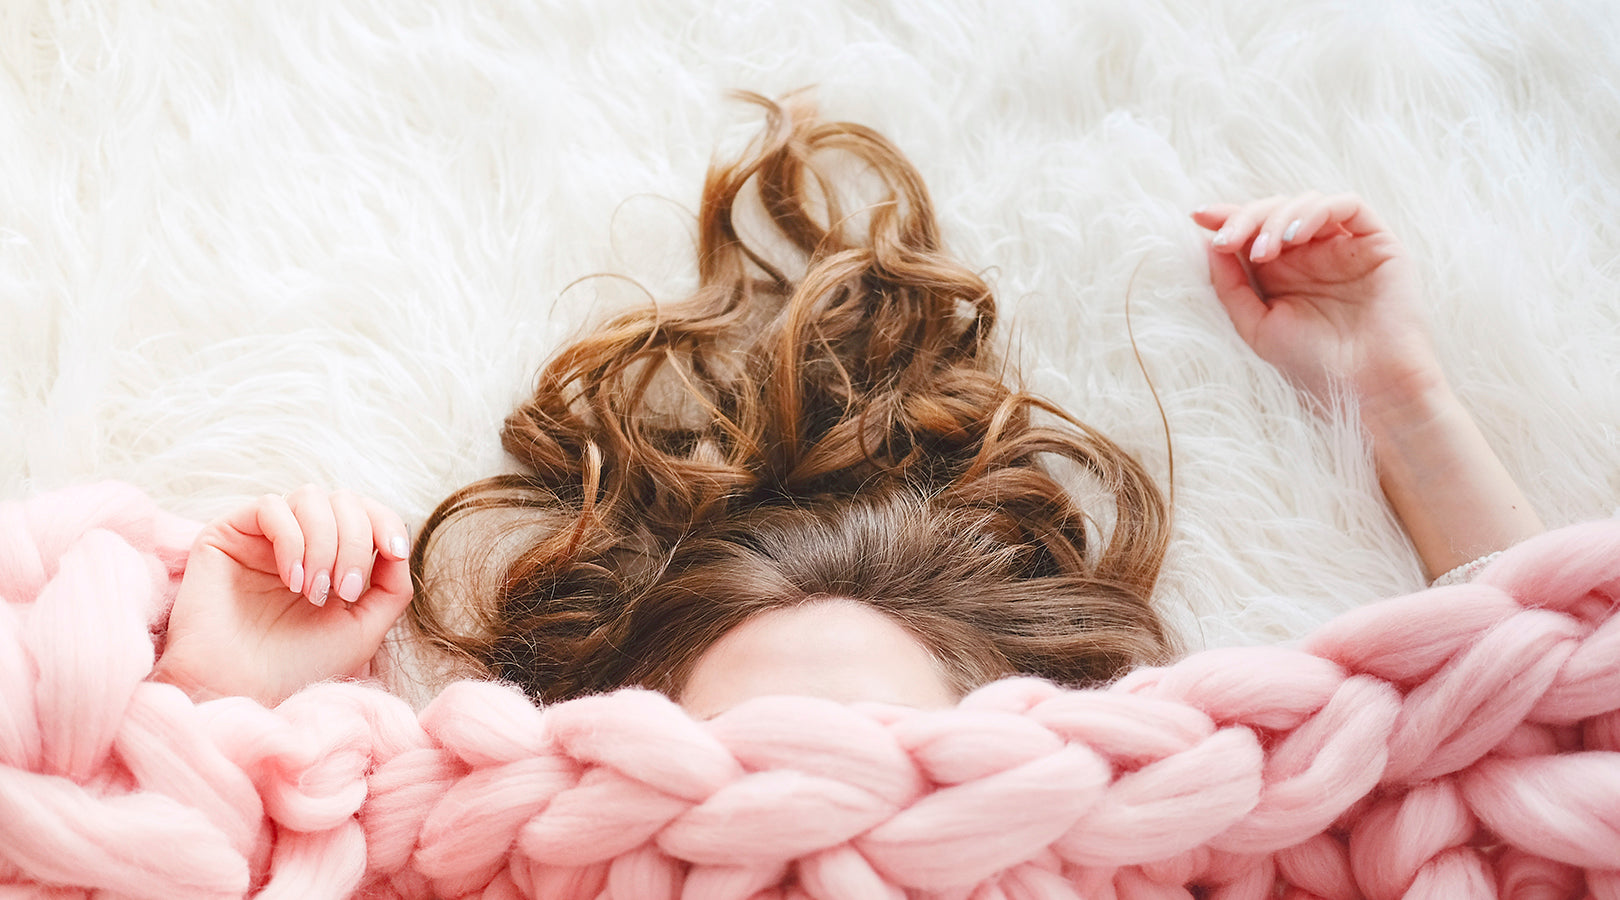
<point x="296" y="579"/>
<point x="398" y="547"/>
<point x="349" y="590"/>
<point x="318" y="591"/>
<point x="1259" y="248"/>
<point x="1220" y="238"/>
<point x="1291" y="230"/>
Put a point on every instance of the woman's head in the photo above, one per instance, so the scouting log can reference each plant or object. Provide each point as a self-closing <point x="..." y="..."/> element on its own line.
<point x="814" y="427"/>
<point x="969" y="583"/>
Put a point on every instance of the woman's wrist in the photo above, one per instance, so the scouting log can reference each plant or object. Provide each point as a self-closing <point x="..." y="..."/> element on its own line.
<point x="1407" y="392"/>
<point x="203" y="683"/>
<point x="171" y="670"/>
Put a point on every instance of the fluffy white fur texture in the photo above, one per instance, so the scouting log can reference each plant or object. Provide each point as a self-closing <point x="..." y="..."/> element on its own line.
<point x="245" y="246"/>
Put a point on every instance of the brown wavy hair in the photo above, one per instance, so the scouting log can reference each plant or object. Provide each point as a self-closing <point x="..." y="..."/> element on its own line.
<point x="845" y="431"/>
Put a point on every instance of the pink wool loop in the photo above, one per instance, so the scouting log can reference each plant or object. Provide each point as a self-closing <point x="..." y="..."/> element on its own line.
<point x="1398" y="837"/>
<point x="1462" y="741"/>
<point x="1480" y="696"/>
<point x="822" y="738"/>
<point x="615" y="732"/>
<point x="1171" y="806"/>
<point x="475" y="819"/>
<point x="88" y="650"/>
<point x="772" y="817"/>
<point x="941" y="842"/>
<point x="405" y="791"/>
<point x="1317" y="772"/>
<point x="486" y="724"/>
<point x="20" y="746"/>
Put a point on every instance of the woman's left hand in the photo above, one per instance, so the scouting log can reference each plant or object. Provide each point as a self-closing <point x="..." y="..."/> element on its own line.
<point x="1320" y="288"/>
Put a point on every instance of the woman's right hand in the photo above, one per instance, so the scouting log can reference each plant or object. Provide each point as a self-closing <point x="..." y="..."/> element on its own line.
<point x="285" y="592"/>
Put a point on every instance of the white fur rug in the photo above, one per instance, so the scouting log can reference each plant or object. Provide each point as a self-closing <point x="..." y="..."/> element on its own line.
<point x="245" y="246"/>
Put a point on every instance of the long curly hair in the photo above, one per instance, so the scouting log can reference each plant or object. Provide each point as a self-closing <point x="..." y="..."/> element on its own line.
<point x="843" y="432"/>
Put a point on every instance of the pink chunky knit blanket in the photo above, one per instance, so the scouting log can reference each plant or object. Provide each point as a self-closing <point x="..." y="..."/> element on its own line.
<point x="1458" y="742"/>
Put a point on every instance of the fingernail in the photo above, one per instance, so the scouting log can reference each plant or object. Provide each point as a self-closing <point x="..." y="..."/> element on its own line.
<point x="295" y="581"/>
<point x="1220" y="238"/>
<point x="398" y="547"/>
<point x="1291" y="230"/>
<point x="317" y="592"/>
<point x="1200" y="210"/>
<point x="349" y="590"/>
<point x="1259" y="248"/>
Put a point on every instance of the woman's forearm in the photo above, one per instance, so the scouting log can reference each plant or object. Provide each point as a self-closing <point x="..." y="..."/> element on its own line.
<point x="1449" y="489"/>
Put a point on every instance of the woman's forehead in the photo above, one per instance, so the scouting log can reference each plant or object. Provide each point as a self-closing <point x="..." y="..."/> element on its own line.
<point x="837" y="649"/>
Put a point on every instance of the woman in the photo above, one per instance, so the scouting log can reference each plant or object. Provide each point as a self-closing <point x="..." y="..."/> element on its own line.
<point x="811" y="476"/>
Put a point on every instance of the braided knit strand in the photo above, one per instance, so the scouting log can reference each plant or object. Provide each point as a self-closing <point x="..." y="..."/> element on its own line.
<point x="1461" y="741"/>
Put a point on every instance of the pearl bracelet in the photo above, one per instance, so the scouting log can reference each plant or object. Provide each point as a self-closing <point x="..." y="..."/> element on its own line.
<point x="1465" y="572"/>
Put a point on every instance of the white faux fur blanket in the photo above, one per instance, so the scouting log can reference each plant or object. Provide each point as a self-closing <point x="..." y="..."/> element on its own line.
<point x="245" y="246"/>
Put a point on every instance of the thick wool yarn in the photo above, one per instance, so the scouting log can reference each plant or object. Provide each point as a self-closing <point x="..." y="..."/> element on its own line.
<point x="1458" y="742"/>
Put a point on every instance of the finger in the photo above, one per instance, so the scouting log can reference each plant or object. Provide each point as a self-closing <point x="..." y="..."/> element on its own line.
<point x="271" y="519"/>
<point x="1243" y="306"/>
<point x="388" y="530"/>
<point x="313" y="509"/>
<point x="1282" y="226"/>
<point x="1243" y="225"/>
<point x="352" y="567"/>
<point x="385" y="601"/>
<point x="277" y="522"/>
<point x="1327" y="215"/>
<point x="1351" y="213"/>
<point x="1214" y="215"/>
